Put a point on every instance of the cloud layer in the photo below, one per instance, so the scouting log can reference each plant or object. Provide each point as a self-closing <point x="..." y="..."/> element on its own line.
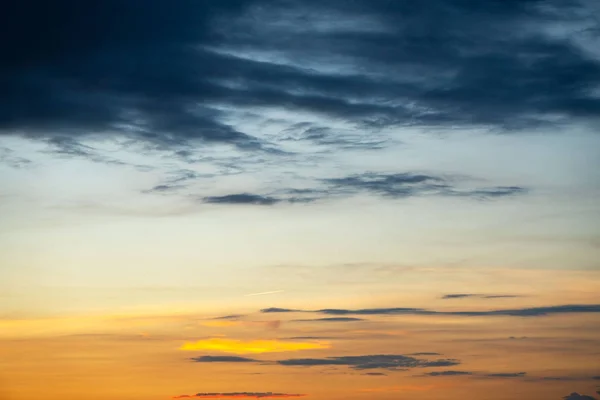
<point x="519" y="312"/>
<point x="239" y="395"/>
<point x="171" y="73"/>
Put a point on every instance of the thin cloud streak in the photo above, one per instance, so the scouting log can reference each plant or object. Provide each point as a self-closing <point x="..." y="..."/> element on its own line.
<point x="264" y="293"/>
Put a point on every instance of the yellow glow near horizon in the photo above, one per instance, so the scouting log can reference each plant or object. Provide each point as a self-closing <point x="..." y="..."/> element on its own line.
<point x="253" y="346"/>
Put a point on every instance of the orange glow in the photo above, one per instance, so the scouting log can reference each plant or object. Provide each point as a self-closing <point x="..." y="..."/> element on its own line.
<point x="253" y="346"/>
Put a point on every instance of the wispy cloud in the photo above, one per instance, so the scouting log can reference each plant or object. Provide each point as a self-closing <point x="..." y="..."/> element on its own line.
<point x="330" y="319"/>
<point x="481" y="296"/>
<point x="265" y="293"/>
<point x="518" y="312"/>
<point x="239" y="395"/>
<point x="376" y="361"/>
<point x="222" y="359"/>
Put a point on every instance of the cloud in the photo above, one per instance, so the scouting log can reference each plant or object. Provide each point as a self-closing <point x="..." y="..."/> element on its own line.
<point x="219" y="359"/>
<point x="278" y="310"/>
<point x="243" y="198"/>
<point x="383" y="361"/>
<point x="507" y="375"/>
<point x="448" y="373"/>
<point x="457" y="296"/>
<point x="519" y="312"/>
<point x="450" y="63"/>
<point x="577" y="396"/>
<point x="239" y="395"/>
<point x="234" y="317"/>
<point x="331" y="319"/>
<point x="400" y="185"/>
<point x="252" y="346"/>
<point x="254" y="199"/>
<point x="8" y="157"/>
<point x="482" y="296"/>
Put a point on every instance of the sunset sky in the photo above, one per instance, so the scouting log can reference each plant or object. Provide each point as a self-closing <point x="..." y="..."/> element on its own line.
<point x="326" y="200"/>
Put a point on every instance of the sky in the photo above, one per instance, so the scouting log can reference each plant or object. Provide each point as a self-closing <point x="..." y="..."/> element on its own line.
<point x="358" y="199"/>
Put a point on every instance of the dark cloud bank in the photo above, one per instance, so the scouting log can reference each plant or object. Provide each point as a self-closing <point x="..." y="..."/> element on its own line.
<point x="167" y="72"/>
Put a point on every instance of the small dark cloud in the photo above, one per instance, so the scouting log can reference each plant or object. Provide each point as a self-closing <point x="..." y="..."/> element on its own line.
<point x="310" y="338"/>
<point x="233" y="317"/>
<point x="481" y="296"/>
<point x="243" y="198"/>
<point x="577" y="396"/>
<point x="519" y="312"/>
<point x="178" y="179"/>
<point x="237" y="395"/>
<point x="408" y="184"/>
<point x="255" y="199"/>
<point x="441" y="363"/>
<point x="448" y="373"/>
<point x="506" y="375"/>
<point x="457" y="296"/>
<point x="164" y="188"/>
<point x="375" y="374"/>
<point x="277" y="310"/>
<point x="223" y="359"/>
<point x="332" y="319"/>
<point x="383" y="361"/>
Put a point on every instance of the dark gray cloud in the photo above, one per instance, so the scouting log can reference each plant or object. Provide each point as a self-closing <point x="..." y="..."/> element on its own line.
<point x="448" y="373"/>
<point x="457" y="296"/>
<point x="255" y="199"/>
<point x="167" y="73"/>
<point x="310" y="338"/>
<point x="482" y="296"/>
<point x="398" y="185"/>
<point x="383" y="361"/>
<point x="224" y="359"/>
<point x="577" y="396"/>
<point x="374" y="374"/>
<point x="408" y="184"/>
<point x="519" y="312"/>
<point x="237" y="395"/>
<point x="233" y="317"/>
<point x="330" y="319"/>
<point x="242" y="198"/>
<point x="506" y="375"/>
<point x="278" y="310"/>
